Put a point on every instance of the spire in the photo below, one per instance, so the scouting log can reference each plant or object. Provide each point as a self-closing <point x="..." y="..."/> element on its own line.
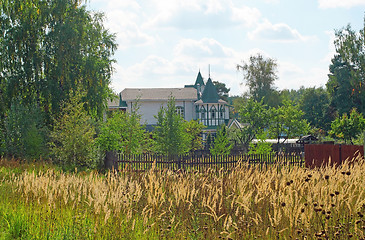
<point x="199" y="80"/>
<point x="210" y="94"/>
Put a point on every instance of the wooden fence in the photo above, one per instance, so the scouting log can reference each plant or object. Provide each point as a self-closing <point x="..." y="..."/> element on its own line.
<point x="203" y="162"/>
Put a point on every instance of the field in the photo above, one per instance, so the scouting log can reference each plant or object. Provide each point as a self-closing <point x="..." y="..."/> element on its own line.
<point x="39" y="201"/>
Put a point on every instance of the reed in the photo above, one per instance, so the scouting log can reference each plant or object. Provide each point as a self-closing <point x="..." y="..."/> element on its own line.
<point x="244" y="203"/>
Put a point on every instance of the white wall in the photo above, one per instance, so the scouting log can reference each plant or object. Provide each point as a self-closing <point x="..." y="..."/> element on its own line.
<point x="149" y="109"/>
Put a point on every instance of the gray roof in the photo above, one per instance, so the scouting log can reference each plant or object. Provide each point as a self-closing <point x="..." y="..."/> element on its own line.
<point x="130" y="94"/>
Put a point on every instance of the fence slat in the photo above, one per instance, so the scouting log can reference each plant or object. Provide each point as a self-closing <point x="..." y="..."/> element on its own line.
<point x="202" y="162"/>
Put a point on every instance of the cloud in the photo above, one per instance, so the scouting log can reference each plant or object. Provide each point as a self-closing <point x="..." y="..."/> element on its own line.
<point x="280" y="32"/>
<point x="204" y="48"/>
<point x="125" y="18"/>
<point x="291" y="76"/>
<point x="203" y="14"/>
<point x="340" y="3"/>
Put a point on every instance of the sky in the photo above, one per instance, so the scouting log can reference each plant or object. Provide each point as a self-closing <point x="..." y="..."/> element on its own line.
<point x="164" y="43"/>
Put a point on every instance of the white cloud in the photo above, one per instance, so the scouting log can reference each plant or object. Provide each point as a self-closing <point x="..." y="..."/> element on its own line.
<point x="204" y="48"/>
<point x="280" y="32"/>
<point x="203" y="14"/>
<point x="291" y="76"/>
<point x="340" y="3"/>
<point x="125" y="18"/>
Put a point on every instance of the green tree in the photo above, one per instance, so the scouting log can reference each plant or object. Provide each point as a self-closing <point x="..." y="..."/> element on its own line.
<point x="315" y="104"/>
<point x="346" y="81"/>
<point x="348" y="128"/>
<point x="123" y="132"/>
<point x="340" y="86"/>
<point x="222" y="90"/>
<point x="260" y="75"/>
<point x="261" y="147"/>
<point x="287" y="121"/>
<point x="25" y="134"/>
<point x="194" y="130"/>
<point x="73" y="136"/>
<point x="48" y="48"/>
<point x="169" y="134"/>
<point x="221" y="143"/>
<point x="254" y="117"/>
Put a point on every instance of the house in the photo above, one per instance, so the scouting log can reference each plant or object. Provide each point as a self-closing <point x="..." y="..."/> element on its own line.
<point x="199" y="102"/>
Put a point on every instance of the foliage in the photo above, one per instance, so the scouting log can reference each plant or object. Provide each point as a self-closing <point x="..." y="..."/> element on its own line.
<point x="123" y="132"/>
<point x="25" y="134"/>
<point x="169" y="134"/>
<point x="287" y="121"/>
<point x="261" y="147"/>
<point x="49" y="48"/>
<point x="243" y="203"/>
<point x="348" y="128"/>
<point x="221" y="144"/>
<point x="72" y="138"/>
<point x="346" y="81"/>
<point x="193" y="130"/>
<point x="314" y="103"/>
<point x="222" y="90"/>
<point x="339" y="85"/>
<point x="260" y="75"/>
<point x="254" y="116"/>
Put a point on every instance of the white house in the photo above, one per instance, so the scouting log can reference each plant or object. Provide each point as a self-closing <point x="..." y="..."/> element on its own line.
<point x="199" y="102"/>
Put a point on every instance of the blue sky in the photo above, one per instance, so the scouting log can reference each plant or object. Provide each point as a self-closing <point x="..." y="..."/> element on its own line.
<point x="165" y="43"/>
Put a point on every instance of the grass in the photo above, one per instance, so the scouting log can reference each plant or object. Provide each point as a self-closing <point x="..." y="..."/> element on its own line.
<point x="39" y="201"/>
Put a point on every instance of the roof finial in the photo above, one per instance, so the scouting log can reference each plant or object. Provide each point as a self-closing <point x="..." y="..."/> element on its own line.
<point x="209" y="69"/>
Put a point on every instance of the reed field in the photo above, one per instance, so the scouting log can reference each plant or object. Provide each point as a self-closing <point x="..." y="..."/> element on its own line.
<point x="39" y="201"/>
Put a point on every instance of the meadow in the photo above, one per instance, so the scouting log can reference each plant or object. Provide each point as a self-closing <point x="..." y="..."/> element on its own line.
<point x="39" y="201"/>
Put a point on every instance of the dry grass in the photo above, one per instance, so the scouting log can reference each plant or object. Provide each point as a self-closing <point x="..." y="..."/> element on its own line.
<point x="289" y="203"/>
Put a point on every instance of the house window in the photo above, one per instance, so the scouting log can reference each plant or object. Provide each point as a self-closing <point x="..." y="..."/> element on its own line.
<point x="203" y="114"/>
<point x="213" y="113"/>
<point x="180" y="111"/>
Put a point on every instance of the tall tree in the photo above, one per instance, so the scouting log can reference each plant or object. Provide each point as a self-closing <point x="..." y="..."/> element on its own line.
<point x="340" y="85"/>
<point x="222" y="90"/>
<point x="346" y="81"/>
<point x="49" y="48"/>
<point x="260" y="75"/>
<point x="314" y="103"/>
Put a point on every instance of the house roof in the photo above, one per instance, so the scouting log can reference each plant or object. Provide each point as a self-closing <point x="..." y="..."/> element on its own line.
<point x="117" y="102"/>
<point x="210" y="94"/>
<point x="199" y="80"/>
<point x="130" y="94"/>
